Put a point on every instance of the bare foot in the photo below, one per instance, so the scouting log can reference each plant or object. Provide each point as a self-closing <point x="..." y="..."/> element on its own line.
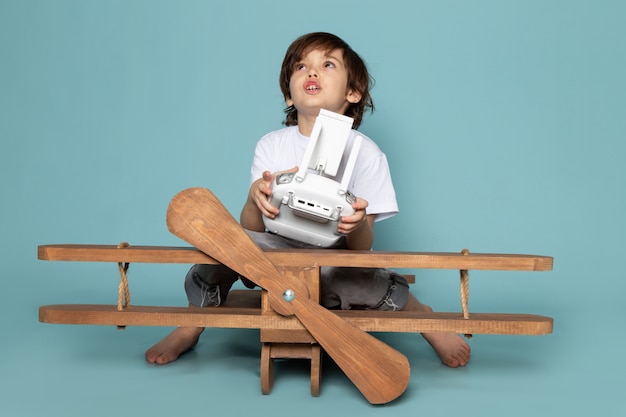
<point x="451" y="348"/>
<point x="173" y="345"/>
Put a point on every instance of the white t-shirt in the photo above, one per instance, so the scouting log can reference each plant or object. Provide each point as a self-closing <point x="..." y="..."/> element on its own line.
<point x="284" y="149"/>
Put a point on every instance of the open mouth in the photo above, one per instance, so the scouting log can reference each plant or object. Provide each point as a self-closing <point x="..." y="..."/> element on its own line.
<point x="311" y="87"/>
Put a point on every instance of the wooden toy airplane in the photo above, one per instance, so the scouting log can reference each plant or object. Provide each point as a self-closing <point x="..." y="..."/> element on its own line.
<point x="287" y="311"/>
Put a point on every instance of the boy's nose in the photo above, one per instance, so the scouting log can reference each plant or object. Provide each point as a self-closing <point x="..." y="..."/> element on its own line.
<point x="312" y="73"/>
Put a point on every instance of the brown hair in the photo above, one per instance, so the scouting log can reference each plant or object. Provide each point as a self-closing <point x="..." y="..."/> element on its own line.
<point x="359" y="79"/>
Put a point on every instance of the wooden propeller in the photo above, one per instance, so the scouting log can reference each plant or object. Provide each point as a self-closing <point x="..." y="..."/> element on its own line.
<point x="380" y="372"/>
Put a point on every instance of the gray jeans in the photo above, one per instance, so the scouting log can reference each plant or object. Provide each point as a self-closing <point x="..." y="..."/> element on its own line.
<point x="345" y="288"/>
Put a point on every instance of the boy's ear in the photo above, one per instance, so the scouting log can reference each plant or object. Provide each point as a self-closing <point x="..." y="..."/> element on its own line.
<point x="288" y="101"/>
<point x="353" y="96"/>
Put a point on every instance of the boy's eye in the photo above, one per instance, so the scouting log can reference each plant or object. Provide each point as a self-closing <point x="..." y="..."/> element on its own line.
<point x="329" y="64"/>
<point x="300" y="67"/>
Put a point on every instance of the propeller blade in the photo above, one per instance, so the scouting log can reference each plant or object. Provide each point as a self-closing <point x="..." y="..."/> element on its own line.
<point x="380" y="372"/>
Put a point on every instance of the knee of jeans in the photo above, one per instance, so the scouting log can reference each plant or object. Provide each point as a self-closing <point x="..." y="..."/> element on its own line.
<point x="211" y="275"/>
<point x="196" y="281"/>
<point x="194" y="291"/>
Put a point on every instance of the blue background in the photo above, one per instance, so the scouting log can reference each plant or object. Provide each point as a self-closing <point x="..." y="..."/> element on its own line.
<point x="503" y="121"/>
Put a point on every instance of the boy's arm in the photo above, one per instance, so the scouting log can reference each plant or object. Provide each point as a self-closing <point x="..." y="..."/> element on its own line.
<point x="258" y="204"/>
<point x="358" y="228"/>
<point x="250" y="218"/>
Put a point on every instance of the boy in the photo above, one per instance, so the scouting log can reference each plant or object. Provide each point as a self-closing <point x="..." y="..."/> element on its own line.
<point x="319" y="71"/>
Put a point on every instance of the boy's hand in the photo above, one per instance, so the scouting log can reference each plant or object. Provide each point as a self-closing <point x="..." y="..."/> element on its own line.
<point x="350" y="223"/>
<point x="260" y="191"/>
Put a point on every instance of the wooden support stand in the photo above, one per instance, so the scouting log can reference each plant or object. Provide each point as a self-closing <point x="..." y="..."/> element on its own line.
<point x="285" y="337"/>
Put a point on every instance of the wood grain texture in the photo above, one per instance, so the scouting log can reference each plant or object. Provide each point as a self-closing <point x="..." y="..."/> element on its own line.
<point x="339" y="332"/>
<point x="302" y="257"/>
<point x="283" y="328"/>
<point x="380" y="372"/>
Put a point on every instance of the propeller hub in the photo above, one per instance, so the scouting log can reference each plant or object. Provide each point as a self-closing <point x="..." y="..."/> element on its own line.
<point x="289" y="295"/>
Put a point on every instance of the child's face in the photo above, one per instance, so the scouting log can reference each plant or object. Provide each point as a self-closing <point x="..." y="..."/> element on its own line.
<point x="320" y="81"/>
